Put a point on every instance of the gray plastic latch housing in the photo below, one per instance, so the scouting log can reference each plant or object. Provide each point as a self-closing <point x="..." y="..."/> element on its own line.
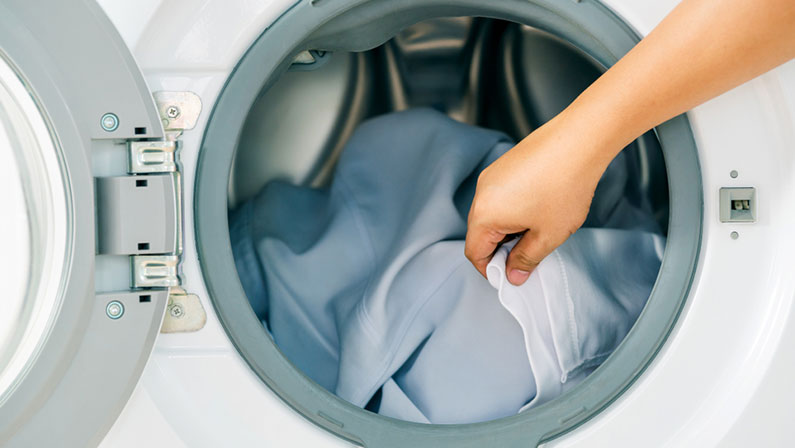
<point x="738" y="204"/>
<point x="137" y="214"/>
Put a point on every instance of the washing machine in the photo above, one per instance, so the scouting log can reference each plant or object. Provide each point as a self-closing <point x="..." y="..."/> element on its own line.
<point x="128" y="130"/>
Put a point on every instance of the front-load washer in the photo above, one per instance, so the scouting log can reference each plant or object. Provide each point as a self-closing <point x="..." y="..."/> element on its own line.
<point x="126" y="324"/>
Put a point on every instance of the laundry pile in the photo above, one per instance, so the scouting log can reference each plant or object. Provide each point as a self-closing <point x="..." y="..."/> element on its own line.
<point x="364" y="286"/>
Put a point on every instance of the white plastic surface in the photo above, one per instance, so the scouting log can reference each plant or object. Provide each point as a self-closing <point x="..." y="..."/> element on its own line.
<point x="724" y="378"/>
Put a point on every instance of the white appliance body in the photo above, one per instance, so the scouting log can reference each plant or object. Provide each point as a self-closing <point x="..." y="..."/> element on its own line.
<point x="723" y="378"/>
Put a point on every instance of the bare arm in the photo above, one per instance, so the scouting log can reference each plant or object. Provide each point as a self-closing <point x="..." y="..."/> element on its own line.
<point x="544" y="185"/>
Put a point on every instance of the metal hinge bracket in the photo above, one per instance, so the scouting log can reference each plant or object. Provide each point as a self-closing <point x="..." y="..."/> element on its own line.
<point x="140" y="215"/>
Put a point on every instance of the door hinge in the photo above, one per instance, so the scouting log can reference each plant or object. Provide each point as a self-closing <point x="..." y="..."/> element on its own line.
<point x="152" y="157"/>
<point x="140" y="215"/>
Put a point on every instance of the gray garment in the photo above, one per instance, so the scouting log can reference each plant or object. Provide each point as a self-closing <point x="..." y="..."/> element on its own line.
<point x="364" y="285"/>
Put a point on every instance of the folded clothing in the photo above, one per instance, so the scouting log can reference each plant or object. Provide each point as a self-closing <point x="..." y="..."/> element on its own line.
<point x="364" y="285"/>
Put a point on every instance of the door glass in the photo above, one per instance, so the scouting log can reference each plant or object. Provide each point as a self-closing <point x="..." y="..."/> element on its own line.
<point x="34" y="225"/>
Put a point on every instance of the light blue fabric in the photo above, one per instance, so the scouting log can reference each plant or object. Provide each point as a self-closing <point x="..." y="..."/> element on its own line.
<point x="364" y="285"/>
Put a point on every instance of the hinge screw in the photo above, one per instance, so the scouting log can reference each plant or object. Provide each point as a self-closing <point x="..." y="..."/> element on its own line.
<point x="114" y="310"/>
<point x="172" y="112"/>
<point x="109" y="122"/>
<point x="177" y="311"/>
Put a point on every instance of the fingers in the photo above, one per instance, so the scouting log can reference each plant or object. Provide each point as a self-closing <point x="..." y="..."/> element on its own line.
<point x="481" y="243"/>
<point x="525" y="256"/>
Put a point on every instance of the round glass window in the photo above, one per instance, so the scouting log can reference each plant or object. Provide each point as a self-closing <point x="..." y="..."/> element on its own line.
<point x="33" y="230"/>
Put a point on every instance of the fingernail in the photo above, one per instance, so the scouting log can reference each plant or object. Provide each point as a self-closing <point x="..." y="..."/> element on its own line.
<point x="517" y="276"/>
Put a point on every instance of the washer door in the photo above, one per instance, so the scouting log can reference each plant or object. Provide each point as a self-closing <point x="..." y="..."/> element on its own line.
<point x="70" y="93"/>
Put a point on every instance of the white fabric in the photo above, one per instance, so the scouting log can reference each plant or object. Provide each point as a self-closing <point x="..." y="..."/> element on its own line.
<point x="579" y="303"/>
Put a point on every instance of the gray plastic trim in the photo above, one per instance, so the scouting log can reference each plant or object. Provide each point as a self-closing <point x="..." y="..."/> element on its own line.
<point x="108" y="362"/>
<point x="359" y="25"/>
<point x="137" y="214"/>
<point x="77" y="68"/>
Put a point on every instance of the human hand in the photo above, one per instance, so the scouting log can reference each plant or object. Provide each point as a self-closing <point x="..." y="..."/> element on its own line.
<point x="542" y="188"/>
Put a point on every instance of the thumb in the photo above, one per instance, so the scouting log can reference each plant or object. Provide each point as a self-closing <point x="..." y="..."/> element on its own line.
<point x="480" y="245"/>
<point x="525" y="256"/>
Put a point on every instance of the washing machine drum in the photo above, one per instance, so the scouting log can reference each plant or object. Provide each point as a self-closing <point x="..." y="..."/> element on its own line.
<point x="69" y="357"/>
<point x="364" y="284"/>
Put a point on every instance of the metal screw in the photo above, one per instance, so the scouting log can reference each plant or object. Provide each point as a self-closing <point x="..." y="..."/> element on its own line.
<point x="109" y="122"/>
<point x="115" y="309"/>
<point x="734" y="235"/>
<point x="172" y="112"/>
<point x="177" y="311"/>
<point x="734" y="174"/>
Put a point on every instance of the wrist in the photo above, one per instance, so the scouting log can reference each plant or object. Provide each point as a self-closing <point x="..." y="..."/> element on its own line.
<point x="602" y="126"/>
<point x="590" y="140"/>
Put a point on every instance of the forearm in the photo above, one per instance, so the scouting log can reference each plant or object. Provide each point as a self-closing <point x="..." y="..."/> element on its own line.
<point x="542" y="188"/>
<point x="702" y="49"/>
